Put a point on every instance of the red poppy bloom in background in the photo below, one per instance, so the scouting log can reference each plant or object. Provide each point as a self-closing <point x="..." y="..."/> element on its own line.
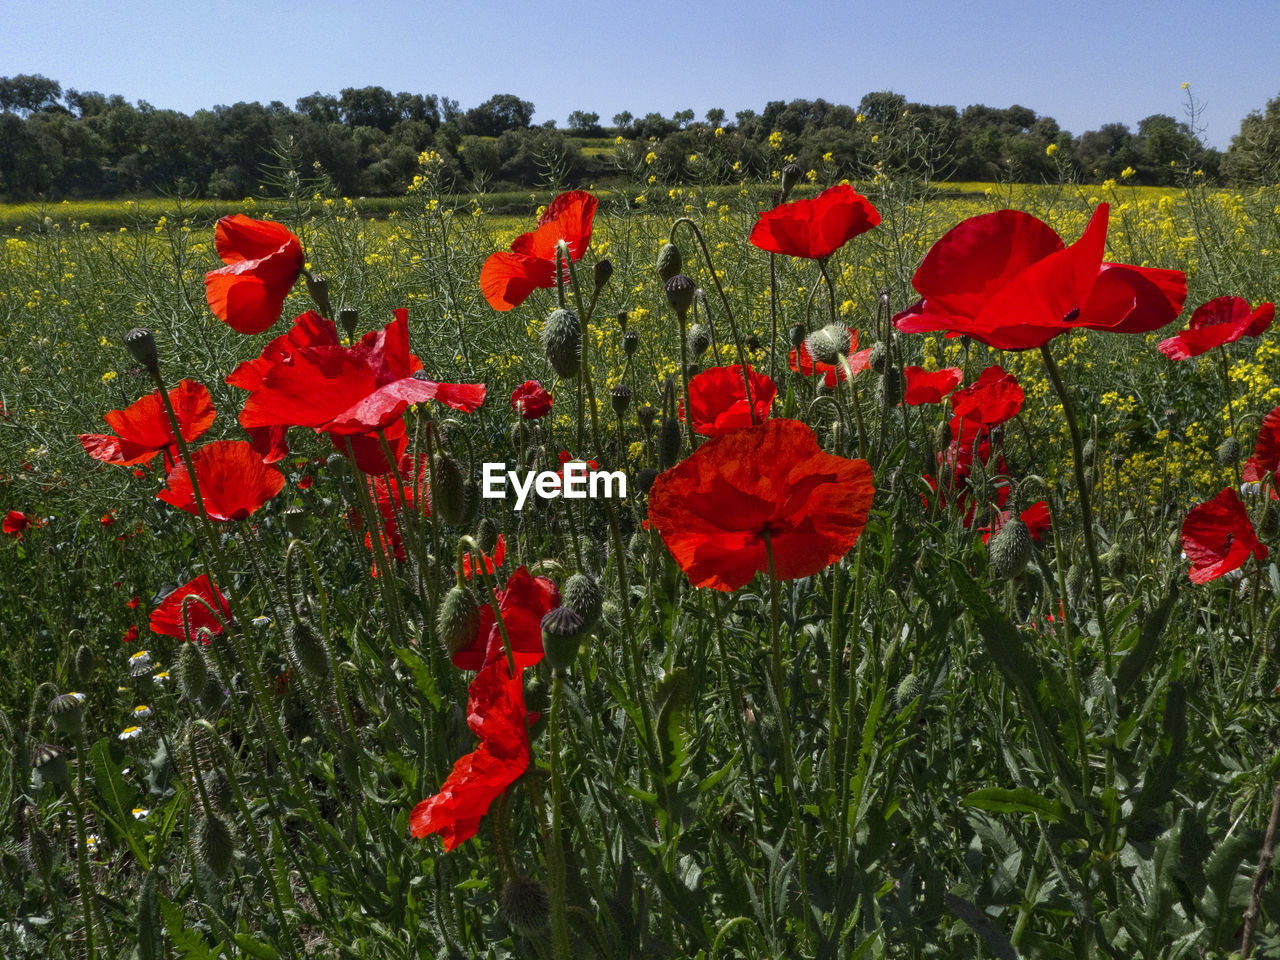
<point x="1220" y="321"/>
<point x="1266" y="453"/>
<point x="130" y="635"/>
<point x="234" y="482"/>
<point x="924" y="386"/>
<point x="15" y="522"/>
<point x="523" y="603"/>
<point x="815" y="228"/>
<point x="507" y="279"/>
<point x="718" y="400"/>
<point x="531" y="400"/>
<point x="1218" y="537"/>
<point x="714" y="508"/>
<point x="403" y="490"/>
<point x="491" y="561"/>
<point x="263" y="259"/>
<point x="346" y="391"/>
<point x="1036" y="517"/>
<point x="167" y="618"/>
<point x="142" y="428"/>
<point x="970" y="443"/>
<point x="1006" y="280"/>
<point x="496" y="714"/>
<point x="991" y="399"/>
<point x="804" y="364"/>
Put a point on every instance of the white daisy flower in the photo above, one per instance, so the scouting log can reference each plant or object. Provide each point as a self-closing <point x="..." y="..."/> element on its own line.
<point x="128" y="733"/>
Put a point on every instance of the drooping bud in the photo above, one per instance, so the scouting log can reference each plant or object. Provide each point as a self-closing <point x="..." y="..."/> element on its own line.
<point x="679" y="290"/>
<point x="141" y="344"/>
<point x="1088" y="452"/>
<point x="699" y="339"/>
<point x="942" y="435"/>
<point x="562" y="342"/>
<point x="890" y="388"/>
<point x="753" y="343"/>
<point x="562" y="634"/>
<point x="908" y="689"/>
<point x="583" y="593"/>
<point x="86" y="663"/>
<point x="215" y="845"/>
<point x="670" y="262"/>
<point x="213" y="694"/>
<point x="458" y="619"/>
<point x="1228" y="452"/>
<point x="645" y="479"/>
<point x="309" y="648"/>
<point x="193" y="671"/>
<point x="487" y="535"/>
<point x="620" y="398"/>
<point x="878" y="359"/>
<point x="602" y="272"/>
<point x="630" y="342"/>
<point x="448" y="492"/>
<point x="1009" y="549"/>
<point x="348" y="319"/>
<point x="525" y="906"/>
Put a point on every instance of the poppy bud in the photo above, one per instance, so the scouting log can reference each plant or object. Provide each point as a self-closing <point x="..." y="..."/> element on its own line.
<point x="645" y="415"/>
<point x="670" y="262"/>
<point x="620" y="398"/>
<point x="193" y="671"/>
<point x="67" y="713"/>
<point x="295" y="520"/>
<point x="536" y="698"/>
<point x="583" y="594"/>
<point x="348" y="317"/>
<point x="215" y="846"/>
<point x="86" y="664"/>
<point x="458" y="619"/>
<point x="470" y="501"/>
<point x="638" y="545"/>
<point x="40" y="848"/>
<point x="141" y="344"/>
<point x="890" y="388"/>
<point x="630" y="341"/>
<point x="699" y="339"/>
<point x="448" y="492"/>
<point x="878" y="359"/>
<point x="829" y="344"/>
<point x="796" y="333"/>
<point x="562" y="633"/>
<point x="213" y="694"/>
<point x="308" y="649"/>
<point x="1009" y="549"/>
<point x="645" y="478"/>
<point x="487" y="535"/>
<point x="1228" y="452"/>
<point x="908" y="689"/>
<point x="1088" y="453"/>
<point x="525" y="906"/>
<point x="669" y="443"/>
<point x="49" y="760"/>
<point x="218" y="787"/>
<point x="942" y="435"/>
<point x="562" y="342"/>
<point x="679" y="290"/>
<point x="791" y="174"/>
<point x="318" y="290"/>
<point x="602" y="272"/>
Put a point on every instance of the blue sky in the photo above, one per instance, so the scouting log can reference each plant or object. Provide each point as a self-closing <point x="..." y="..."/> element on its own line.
<point x="1083" y="62"/>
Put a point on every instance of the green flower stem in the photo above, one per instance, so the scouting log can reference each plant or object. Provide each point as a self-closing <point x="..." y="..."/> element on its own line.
<point x="831" y="290"/>
<point x="555" y="848"/>
<point x="773" y="315"/>
<point x="1086" y="507"/>
<point x="1231" y="410"/>
<point x="85" y="881"/>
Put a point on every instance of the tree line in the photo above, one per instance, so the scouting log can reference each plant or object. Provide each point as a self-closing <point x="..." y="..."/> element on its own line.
<point x="366" y="141"/>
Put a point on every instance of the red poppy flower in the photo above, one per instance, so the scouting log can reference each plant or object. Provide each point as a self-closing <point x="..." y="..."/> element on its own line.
<point x="130" y="635"/>
<point x="815" y="228"/>
<point x="714" y="508"/>
<point x="802" y="363"/>
<point x="1218" y="537"/>
<point x="496" y="714"/>
<point x="507" y="279"/>
<point x="1266" y="453"/>
<point x="142" y="428"/>
<point x="719" y="401"/>
<point x="395" y="493"/>
<point x="15" y="522"/>
<point x="1005" y="279"/>
<point x="925" y="387"/>
<point x="234" y="482"/>
<point x="991" y="399"/>
<point x="491" y="561"/>
<point x="523" y="603"/>
<point x="1036" y="517"/>
<point x="263" y="260"/>
<point x="107" y="519"/>
<point x="531" y="400"/>
<point x="1221" y="320"/>
<point x="346" y="391"/>
<point x="970" y="443"/>
<point x="133" y="603"/>
<point x="166" y="619"/>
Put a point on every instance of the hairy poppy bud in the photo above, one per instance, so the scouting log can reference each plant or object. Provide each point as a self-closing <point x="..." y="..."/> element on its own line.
<point x="562" y="342"/>
<point x="679" y="290"/>
<point x="458" y="619"/>
<point x="562" y="633"/>
<point x="218" y="787"/>
<point x="215" y="845"/>
<point x="213" y="694"/>
<point x="791" y="174"/>
<point x="525" y="906"/>
<point x="348" y="318"/>
<point x="630" y="341"/>
<point x="942" y="435"/>
<point x="470" y="501"/>
<point x="796" y="334"/>
<point x="620" y="398"/>
<point x="602" y="272"/>
<point x="699" y="339"/>
<point x="828" y="344"/>
<point x="448" y="492"/>
<point x="308" y="648"/>
<point x="878" y="359"/>
<point x="1009" y="549"/>
<point x="890" y="388"/>
<point x="141" y="344"/>
<point x="669" y="443"/>
<point x="318" y="290"/>
<point x="1228" y="452"/>
<point x="487" y="535"/>
<point x="193" y="671"/>
<point x="645" y="478"/>
<point x="645" y="415"/>
<point x="908" y="689"/>
<point x="86" y="663"/>
<point x="670" y="262"/>
<point x="582" y="593"/>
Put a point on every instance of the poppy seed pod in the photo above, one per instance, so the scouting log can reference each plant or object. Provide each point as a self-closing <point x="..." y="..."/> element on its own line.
<point x="791" y="174"/>
<point x="679" y="290"/>
<point x="620" y="398"/>
<point x="562" y="634"/>
<point x="645" y="415"/>
<point x="1009" y="549"/>
<point x="141" y="344"/>
<point x="602" y="272"/>
<point x="582" y="593"/>
<point x="699" y="339"/>
<point x="630" y="341"/>
<point x="67" y="713"/>
<point x="753" y="343"/>
<point x="562" y="342"/>
<point x="669" y="443"/>
<point x="318" y="290"/>
<point x="525" y="906"/>
<point x="309" y="649"/>
<point x="193" y="671"/>
<point x="458" y="619"/>
<point x="448" y="492"/>
<point x="622" y="318"/>
<point x="348" y="318"/>
<point x="828" y="344"/>
<point x="670" y="262"/>
<point x="796" y="334"/>
<point x="48" y="758"/>
<point x="295" y="520"/>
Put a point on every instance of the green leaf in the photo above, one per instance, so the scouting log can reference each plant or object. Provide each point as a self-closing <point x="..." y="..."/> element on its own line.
<point x="118" y="793"/>
<point x="1136" y="660"/>
<point x="186" y="942"/>
<point x="1016" y="800"/>
<point x="977" y="921"/>
<point x="258" y="949"/>
<point x="421" y="674"/>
